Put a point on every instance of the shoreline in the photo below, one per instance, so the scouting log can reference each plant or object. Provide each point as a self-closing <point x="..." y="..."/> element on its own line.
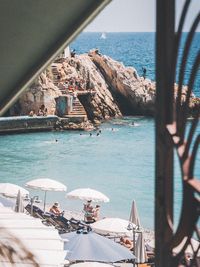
<point x="26" y="124"/>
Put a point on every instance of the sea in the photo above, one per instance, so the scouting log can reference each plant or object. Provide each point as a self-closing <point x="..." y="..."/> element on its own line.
<point x="120" y="162"/>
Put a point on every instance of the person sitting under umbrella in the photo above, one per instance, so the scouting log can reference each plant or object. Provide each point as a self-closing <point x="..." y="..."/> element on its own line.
<point x="55" y="209"/>
<point x="96" y="212"/>
<point x="126" y="242"/>
<point x="88" y="209"/>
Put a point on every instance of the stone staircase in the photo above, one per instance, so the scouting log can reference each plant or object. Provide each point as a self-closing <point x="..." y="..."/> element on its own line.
<point x="78" y="109"/>
<point x="55" y="74"/>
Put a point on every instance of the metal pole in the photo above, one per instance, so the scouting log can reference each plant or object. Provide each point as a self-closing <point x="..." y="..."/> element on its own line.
<point x="164" y="116"/>
<point x="45" y="194"/>
<point x="32" y="200"/>
<point x="134" y="245"/>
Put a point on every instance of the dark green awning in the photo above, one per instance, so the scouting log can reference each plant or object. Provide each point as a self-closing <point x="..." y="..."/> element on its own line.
<point x="33" y="33"/>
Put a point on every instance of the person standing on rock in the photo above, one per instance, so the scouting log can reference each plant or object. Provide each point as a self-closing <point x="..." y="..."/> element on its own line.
<point x="74" y="95"/>
<point x="144" y="70"/>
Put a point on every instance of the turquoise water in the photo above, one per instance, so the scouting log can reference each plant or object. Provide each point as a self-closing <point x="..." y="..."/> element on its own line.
<point x="110" y="163"/>
<point x="119" y="162"/>
<point x="136" y="50"/>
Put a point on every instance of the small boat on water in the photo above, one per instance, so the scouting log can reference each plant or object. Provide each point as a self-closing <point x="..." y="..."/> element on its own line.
<point x="103" y="35"/>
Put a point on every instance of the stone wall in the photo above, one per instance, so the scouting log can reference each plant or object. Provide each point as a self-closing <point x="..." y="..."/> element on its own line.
<point x="19" y="124"/>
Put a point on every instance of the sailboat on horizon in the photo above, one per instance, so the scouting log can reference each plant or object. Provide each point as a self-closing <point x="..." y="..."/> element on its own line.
<point x="103" y="35"/>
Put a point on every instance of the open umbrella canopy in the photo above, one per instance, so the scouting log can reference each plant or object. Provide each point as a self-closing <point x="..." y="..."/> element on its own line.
<point x="11" y="190"/>
<point x="195" y="245"/>
<point x="6" y="202"/>
<point x="89" y="246"/>
<point x="91" y="264"/>
<point x="46" y="184"/>
<point x="112" y="226"/>
<point x="88" y="194"/>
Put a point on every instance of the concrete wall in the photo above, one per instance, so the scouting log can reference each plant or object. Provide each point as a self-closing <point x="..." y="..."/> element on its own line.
<point x="27" y="124"/>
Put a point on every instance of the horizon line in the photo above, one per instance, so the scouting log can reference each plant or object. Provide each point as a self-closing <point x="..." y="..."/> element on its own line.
<point x="128" y="31"/>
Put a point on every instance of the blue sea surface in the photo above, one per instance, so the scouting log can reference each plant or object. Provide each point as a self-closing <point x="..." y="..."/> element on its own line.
<point x="136" y="50"/>
<point x="119" y="162"/>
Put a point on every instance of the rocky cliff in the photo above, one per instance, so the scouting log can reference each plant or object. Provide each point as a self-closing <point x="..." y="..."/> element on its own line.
<point x="109" y="88"/>
<point x="99" y="102"/>
<point x="133" y="94"/>
<point x="42" y="92"/>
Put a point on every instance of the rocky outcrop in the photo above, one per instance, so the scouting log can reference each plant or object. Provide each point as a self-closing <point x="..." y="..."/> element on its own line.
<point x="42" y="92"/>
<point x="109" y="89"/>
<point x="99" y="102"/>
<point x="134" y="94"/>
<point x="76" y="125"/>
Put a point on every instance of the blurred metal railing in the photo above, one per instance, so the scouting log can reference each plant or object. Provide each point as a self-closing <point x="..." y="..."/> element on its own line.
<point x="172" y="111"/>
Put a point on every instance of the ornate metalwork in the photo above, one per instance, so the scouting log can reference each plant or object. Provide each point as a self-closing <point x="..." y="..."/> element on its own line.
<point x="171" y="136"/>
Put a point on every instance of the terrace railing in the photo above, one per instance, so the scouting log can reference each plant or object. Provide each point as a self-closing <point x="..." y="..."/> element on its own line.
<point x="172" y="112"/>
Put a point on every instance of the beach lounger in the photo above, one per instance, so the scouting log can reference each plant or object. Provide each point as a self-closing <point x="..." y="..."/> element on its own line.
<point x="69" y="225"/>
<point x="62" y="223"/>
<point x="38" y="213"/>
<point x="78" y="224"/>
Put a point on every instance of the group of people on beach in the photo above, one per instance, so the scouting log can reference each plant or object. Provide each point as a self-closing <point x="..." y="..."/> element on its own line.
<point x="91" y="214"/>
<point x="41" y="112"/>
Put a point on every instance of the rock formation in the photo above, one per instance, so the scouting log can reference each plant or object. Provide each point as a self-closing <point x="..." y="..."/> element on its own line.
<point x="134" y="95"/>
<point x="42" y="92"/>
<point x="99" y="103"/>
<point x="109" y="88"/>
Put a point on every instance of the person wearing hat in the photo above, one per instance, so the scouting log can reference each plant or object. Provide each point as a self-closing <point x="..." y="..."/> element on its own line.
<point x="88" y="210"/>
<point x="55" y="209"/>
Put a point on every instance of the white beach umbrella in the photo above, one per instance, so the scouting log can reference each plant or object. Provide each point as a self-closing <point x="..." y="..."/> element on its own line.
<point x="140" y="251"/>
<point x="88" y="194"/>
<point x="195" y="245"/>
<point x="91" y="264"/>
<point x="134" y="216"/>
<point x="176" y="250"/>
<point x="89" y="246"/>
<point x="11" y="190"/>
<point x="19" y="206"/>
<point x="43" y="241"/>
<point x="7" y="202"/>
<point x="45" y="185"/>
<point x="112" y="226"/>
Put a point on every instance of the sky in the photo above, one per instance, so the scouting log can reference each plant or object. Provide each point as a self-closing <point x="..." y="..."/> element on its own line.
<point x="135" y="16"/>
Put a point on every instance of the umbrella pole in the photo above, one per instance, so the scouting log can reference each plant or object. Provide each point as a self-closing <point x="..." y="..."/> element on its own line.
<point x="134" y="246"/>
<point x="45" y="195"/>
